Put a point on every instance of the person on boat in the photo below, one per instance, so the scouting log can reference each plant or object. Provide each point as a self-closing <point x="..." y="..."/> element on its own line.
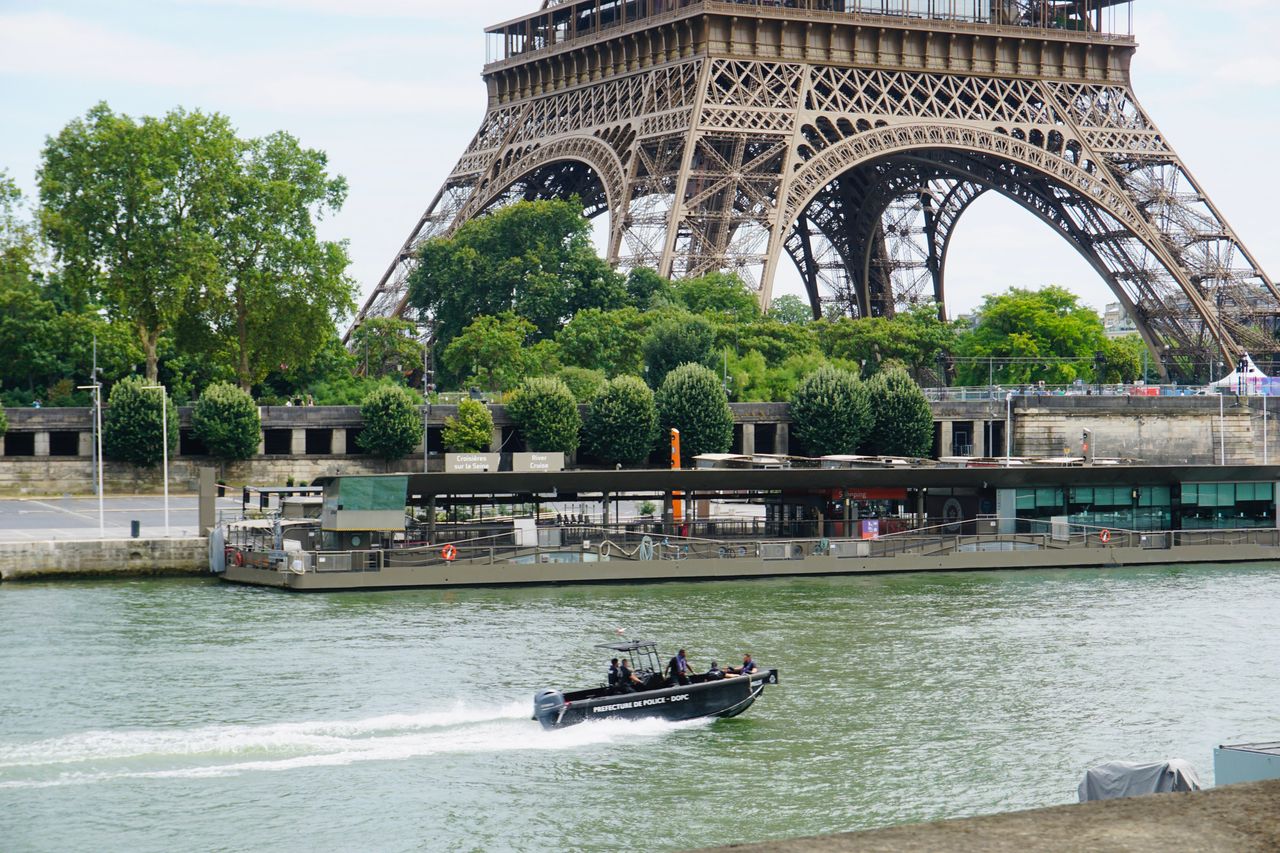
<point x="678" y="669"/>
<point x="615" y="677"/>
<point x="715" y="673"/>
<point x="748" y="666"/>
<point x="628" y="680"/>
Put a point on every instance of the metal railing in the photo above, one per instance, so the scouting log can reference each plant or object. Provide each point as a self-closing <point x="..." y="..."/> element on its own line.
<point x="621" y="544"/>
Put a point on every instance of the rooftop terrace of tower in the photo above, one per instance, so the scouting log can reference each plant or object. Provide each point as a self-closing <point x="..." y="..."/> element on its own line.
<point x="566" y="24"/>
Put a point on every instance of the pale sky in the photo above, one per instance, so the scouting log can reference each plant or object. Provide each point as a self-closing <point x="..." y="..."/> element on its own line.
<point x="391" y="90"/>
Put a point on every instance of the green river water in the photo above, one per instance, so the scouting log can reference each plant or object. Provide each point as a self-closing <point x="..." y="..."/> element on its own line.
<point x="189" y="715"/>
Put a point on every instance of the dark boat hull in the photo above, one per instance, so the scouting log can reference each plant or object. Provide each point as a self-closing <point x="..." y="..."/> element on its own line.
<point x="725" y="698"/>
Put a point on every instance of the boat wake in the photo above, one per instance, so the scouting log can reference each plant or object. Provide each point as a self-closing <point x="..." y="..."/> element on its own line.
<point x="228" y="750"/>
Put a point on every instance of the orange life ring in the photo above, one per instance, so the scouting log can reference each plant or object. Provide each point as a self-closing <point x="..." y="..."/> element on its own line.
<point x="449" y="553"/>
<point x="239" y="558"/>
<point x="1104" y="536"/>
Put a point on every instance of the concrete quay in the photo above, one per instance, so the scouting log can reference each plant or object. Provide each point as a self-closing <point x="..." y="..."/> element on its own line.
<point x="103" y="558"/>
<point x="1236" y="818"/>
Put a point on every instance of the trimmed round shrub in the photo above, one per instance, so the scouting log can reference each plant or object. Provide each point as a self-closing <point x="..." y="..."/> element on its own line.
<point x="392" y="423"/>
<point x="547" y="415"/>
<point x="902" y="421"/>
<point x="134" y="428"/>
<point x="225" y="419"/>
<point x="830" y="412"/>
<point x="469" y="432"/>
<point x="693" y="401"/>
<point x="622" y="422"/>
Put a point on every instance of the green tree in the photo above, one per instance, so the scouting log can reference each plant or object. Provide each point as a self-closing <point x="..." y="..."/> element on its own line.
<point x="1123" y="359"/>
<point x="693" y="401"/>
<point x="902" y="421"/>
<point x="721" y="294"/>
<point x="387" y="347"/>
<point x="915" y="337"/>
<point x="19" y="237"/>
<point x="791" y="309"/>
<point x="129" y="208"/>
<point x="134" y="428"/>
<point x="830" y="413"/>
<point x="495" y="353"/>
<point x="534" y="259"/>
<point x="643" y="284"/>
<point x="608" y="341"/>
<point x="281" y="288"/>
<point x="1031" y="336"/>
<point x="225" y="419"/>
<point x="584" y="384"/>
<point x="622" y="422"/>
<point x="392" y="423"/>
<point x="4" y="422"/>
<point x="677" y="340"/>
<point x="546" y="413"/>
<point x="469" y="432"/>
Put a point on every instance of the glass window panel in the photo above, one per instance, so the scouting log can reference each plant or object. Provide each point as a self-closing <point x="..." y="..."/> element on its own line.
<point x="1264" y="491"/>
<point x="1191" y="494"/>
<point x="1082" y="495"/>
<point x="1048" y="497"/>
<point x="1244" y="492"/>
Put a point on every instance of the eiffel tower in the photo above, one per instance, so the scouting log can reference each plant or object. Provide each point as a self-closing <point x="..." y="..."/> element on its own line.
<point x="849" y="137"/>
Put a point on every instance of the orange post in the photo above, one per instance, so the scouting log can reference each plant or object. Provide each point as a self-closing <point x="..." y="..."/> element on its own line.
<point x="677" y="505"/>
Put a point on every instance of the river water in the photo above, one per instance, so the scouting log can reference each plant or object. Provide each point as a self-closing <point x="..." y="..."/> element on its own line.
<point x="161" y="715"/>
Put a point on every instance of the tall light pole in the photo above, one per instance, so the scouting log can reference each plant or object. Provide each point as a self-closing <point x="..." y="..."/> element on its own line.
<point x="1008" y="426"/>
<point x="164" y="444"/>
<point x="96" y="388"/>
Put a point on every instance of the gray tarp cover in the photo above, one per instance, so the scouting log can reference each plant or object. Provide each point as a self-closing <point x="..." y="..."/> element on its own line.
<point x="1124" y="779"/>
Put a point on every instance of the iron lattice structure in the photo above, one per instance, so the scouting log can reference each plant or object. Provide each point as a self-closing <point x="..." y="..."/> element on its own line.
<point x="850" y="137"/>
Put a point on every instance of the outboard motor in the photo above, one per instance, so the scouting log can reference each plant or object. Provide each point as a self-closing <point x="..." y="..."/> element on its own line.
<point x="548" y="706"/>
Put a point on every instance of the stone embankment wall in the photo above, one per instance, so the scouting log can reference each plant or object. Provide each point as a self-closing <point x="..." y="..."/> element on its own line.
<point x="28" y="561"/>
<point x="50" y="451"/>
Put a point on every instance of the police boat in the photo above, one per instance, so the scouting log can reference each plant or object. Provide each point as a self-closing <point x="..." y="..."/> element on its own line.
<point x="654" y="695"/>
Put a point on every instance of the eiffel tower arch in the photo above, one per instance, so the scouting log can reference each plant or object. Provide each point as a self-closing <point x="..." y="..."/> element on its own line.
<point x="849" y="137"/>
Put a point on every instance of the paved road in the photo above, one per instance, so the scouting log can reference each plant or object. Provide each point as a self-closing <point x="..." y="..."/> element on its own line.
<point x="39" y="520"/>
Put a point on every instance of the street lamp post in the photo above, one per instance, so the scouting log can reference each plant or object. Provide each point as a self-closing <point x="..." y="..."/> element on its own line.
<point x="164" y="445"/>
<point x="1008" y="426"/>
<point x="96" y="388"/>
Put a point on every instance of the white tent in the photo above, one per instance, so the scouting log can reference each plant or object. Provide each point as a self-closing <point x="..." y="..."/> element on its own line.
<point x="1249" y="381"/>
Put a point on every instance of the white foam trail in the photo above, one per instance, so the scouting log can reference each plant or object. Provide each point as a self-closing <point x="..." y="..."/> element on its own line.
<point x="216" y="751"/>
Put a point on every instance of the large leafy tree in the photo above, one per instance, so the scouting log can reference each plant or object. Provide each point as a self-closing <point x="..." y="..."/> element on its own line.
<point x="135" y="428"/>
<point x="608" y="341"/>
<point x="830" y="413"/>
<point x="534" y="259"/>
<point x="226" y="420"/>
<point x="392" y="423"/>
<point x="622" y="422"/>
<point x="1029" y="336"/>
<point x="677" y="340"/>
<point x="693" y="401"/>
<point x="387" y="346"/>
<point x="280" y="288"/>
<point x="130" y="209"/>
<point x="721" y="294"/>
<point x="914" y="337"/>
<point x="901" y="419"/>
<point x="547" y="415"/>
<point x="791" y="309"/>
<point x="496" y="353"/>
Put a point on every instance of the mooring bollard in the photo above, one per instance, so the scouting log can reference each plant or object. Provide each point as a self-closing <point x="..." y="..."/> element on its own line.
<point x="135" y="528"/>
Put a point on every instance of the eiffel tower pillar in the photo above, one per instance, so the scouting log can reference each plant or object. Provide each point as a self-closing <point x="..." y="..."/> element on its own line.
<point x="849" y="137"/>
